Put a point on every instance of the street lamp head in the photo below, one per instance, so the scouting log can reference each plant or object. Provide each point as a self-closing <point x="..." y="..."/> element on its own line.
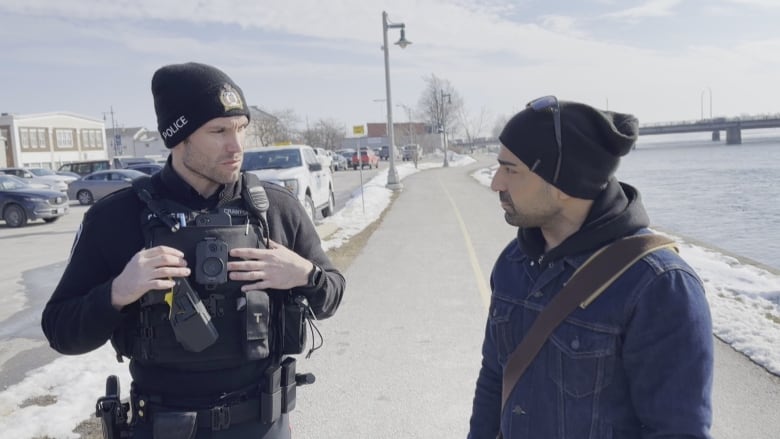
<point x="403" y="42"/>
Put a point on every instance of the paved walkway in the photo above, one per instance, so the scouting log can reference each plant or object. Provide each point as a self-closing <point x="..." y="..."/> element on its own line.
<point x="402" y="354"/>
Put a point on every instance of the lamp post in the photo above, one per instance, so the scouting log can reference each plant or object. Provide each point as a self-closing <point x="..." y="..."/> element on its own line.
<point x="701" y="99"/>
<point x="444" y="125"/>
<point x="701" y="105"/>
<point x="392" y="174"/>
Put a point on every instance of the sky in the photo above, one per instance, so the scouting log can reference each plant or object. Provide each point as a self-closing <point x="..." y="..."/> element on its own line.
<point x="662" y="60"/>
<point x="741" y="298"/>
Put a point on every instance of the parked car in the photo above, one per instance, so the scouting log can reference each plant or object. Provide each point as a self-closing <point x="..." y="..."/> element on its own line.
<point x="297" y="168"/>
<point x="367" y="157"/>
<point x="340" y="162"/>
<point x="146" y="168"/>
<point x="125" y="162"/>
<point x="347" y="154"/>
<point x="40" y="182"/>
<point x="384" y="152"/>
<point x="20" y="203"/>
<point x="85" y="167"/>
<point x="51" y="175"/>
<point x="72" y="175"/>
<point x="98" y="184"/>
<point x="411" y="152"/>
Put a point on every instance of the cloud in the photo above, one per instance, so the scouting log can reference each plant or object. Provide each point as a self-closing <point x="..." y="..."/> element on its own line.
<point x="563" y="25"/>
<point x="652" y="8"/>
<point x="309" y="55"/>
<point x="768" y="4"/>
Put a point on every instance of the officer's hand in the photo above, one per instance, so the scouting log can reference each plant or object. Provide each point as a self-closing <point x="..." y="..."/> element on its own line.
<point x="275" y="268"/>
<point x="149" y="269"/>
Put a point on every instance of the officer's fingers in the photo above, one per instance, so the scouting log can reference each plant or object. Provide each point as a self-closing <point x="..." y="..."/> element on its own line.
<point x="167" y="272"/>
<point x="252" y="275"/>
<point x="163" y="250"/>
<point x="168" y="260"/>
<point x="248" y="253"/>
<point x="161" y="284"/>
<point x="250" y="265"/>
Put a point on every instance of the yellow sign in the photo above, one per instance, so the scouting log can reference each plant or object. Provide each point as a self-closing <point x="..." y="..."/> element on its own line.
<point x="358" y="130"/>
<point x="283" y="143"/>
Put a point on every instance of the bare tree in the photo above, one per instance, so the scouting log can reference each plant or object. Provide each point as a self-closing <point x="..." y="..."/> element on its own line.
<point x="268" y="128"/>
<point x="326" y="133"/>
<point x="439" y="104"/>
<point x="499" y="125"/>
<point x="472" y="125"/>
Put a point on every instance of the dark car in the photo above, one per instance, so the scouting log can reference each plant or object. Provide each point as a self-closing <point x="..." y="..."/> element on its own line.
<point x="411" y="152"/>
<point x="384" y="153"/>
<point x="98" y="184"/>
<point x="20" y="203"/>
<point x="146" y="168"/>
<point x="85" y="167"/>
<point x="125" y="162"/>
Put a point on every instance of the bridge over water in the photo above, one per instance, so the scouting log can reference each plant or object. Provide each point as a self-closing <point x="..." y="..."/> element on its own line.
<point x="732" y="126"/>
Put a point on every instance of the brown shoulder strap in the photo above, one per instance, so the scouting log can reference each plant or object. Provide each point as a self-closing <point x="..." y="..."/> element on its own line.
<point x="584" y="286"/>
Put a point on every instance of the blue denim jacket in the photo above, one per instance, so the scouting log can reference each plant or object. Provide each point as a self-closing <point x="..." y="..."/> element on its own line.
<point x="636" y="363"/>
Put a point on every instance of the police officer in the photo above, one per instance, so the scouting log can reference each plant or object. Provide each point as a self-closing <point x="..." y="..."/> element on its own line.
<point x="139" y="249"/>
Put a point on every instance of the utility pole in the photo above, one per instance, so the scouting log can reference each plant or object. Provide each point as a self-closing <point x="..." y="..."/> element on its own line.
<point x="444" y="125"/>
<point x="116" y="139"/>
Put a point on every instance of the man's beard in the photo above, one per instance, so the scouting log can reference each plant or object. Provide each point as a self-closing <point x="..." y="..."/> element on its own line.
<point x="530" y="218"/>
<point x="510" y="215"/>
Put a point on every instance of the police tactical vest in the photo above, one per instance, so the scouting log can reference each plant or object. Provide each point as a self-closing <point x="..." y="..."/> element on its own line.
<point x="243" y="321"/>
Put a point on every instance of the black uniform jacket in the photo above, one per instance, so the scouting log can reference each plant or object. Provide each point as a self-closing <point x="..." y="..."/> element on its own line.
<point x="79" y="316"/>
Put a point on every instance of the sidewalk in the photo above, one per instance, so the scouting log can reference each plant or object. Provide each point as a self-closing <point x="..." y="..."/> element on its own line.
<point x="402" y="354"/>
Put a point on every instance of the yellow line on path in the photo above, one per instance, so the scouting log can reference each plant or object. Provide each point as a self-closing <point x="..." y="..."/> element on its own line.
<point x="482" y="285"/>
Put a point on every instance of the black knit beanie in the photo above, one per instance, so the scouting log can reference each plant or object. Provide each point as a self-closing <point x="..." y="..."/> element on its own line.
<point x="186" y="96"/>
<point x="592" y="143"/>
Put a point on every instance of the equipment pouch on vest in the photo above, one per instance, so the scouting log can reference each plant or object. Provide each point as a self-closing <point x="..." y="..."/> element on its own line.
<point x="190" y="321"/>
<point x="295" y="312"/>
<point x="258" y="312"/>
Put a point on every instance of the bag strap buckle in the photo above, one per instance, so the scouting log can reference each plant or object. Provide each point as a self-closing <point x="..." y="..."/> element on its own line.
<point x="220" y="418"/>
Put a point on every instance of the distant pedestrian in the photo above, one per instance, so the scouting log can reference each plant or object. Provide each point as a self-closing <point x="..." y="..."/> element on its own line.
<point x="637" y="362"/>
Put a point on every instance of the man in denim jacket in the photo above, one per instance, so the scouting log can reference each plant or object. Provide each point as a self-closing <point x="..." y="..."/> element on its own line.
<point x="637" y="362"/>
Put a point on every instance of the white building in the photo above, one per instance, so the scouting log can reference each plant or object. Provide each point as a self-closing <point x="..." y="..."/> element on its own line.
<point x="135" y="142"/>
<point x="48" y="140"/>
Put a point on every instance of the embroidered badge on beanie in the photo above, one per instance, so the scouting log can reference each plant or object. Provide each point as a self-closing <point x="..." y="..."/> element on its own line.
<point x="592" y="142"/>
<point x="186" y="96"/>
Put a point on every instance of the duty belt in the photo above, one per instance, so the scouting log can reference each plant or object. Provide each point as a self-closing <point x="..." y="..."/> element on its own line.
<point x="216" y="418"/>
<point x="221" y="417"/>
<point x="265" y="402"/>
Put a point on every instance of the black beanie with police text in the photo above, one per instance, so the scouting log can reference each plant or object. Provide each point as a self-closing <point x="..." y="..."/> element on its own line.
<point x="186" y="96"/>
<point x="592" y="142"/>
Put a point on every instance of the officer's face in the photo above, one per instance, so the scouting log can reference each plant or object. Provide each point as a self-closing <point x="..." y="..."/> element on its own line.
<point x="212" y="155"/>
<point x="527" y="200"/>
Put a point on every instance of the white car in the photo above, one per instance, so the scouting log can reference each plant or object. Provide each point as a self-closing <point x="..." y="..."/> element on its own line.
<point x="297" y="168"/>
<point x="56" y="182"/>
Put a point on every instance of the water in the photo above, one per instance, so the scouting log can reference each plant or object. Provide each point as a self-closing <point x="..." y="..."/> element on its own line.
<point x="725" y="195"/>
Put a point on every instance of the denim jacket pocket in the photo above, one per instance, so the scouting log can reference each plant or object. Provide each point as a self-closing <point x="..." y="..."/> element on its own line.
<point x="501" y="326"/>
<point x="581" y="359"/>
